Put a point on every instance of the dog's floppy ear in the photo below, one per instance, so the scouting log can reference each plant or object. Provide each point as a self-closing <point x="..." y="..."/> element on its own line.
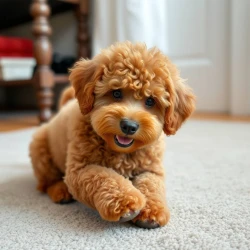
<point x="182" y="102"/>
<point x="83" y="76"/>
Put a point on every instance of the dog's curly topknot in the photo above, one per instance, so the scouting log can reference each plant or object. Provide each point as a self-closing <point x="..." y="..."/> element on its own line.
<point x="136" y="67"/>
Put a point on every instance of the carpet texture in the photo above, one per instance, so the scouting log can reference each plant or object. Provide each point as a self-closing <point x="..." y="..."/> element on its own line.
<point x="208" y="191"/>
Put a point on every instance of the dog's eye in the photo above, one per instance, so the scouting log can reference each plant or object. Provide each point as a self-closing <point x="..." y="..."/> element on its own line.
<point x="150" y="102"/>
<point x="117" y="94"/>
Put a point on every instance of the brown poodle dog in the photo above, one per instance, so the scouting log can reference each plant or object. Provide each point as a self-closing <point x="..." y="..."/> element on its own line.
<point x="105" y="148"/>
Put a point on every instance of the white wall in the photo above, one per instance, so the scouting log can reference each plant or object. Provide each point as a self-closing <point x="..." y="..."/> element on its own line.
<point x="209" y="40"/>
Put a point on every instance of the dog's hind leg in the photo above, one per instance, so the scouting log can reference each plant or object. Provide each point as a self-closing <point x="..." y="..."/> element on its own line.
<point x="48" y="175"/>
<point x="59" y="193"/>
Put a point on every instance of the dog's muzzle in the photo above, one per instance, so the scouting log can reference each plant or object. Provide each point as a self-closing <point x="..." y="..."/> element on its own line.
<point x="128" y="127"/>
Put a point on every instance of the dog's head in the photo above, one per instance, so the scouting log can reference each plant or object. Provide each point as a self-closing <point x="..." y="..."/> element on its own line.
<point x="131" y="94"/>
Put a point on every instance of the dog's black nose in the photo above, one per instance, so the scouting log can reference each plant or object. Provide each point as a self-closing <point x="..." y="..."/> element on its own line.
<point x="128" y="127"/>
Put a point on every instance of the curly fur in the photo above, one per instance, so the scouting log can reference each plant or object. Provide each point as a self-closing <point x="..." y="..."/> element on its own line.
<point x="78" y="143"/>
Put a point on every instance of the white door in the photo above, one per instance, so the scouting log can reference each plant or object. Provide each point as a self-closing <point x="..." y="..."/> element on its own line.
<point x="198" y="33"/>
<point x="193" y="33"/>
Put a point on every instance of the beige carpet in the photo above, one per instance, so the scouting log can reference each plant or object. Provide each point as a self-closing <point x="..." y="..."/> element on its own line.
<point x="208" y="166"/>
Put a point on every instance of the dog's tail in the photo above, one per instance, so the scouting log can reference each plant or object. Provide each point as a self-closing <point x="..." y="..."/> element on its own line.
<point x="67" y="94"/>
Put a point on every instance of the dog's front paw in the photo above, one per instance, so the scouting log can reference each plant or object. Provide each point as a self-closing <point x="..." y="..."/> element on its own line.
<point x="153" y="215"/>
<point x="122" y="206"/>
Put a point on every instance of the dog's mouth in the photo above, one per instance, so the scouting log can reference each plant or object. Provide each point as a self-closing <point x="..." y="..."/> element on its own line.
<point x="123" y="141"/>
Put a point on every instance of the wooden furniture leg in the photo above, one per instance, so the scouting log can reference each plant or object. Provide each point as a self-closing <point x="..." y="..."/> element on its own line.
<point x="83" y="35"/>
<point x="43" y="77"/>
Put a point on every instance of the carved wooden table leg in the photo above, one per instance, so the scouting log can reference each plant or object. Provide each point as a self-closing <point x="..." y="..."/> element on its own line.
<point x="83" y="35"/>
<point x="43" y="78"/>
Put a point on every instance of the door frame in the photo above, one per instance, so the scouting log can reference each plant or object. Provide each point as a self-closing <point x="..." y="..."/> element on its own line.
<point x="240" y="58"/>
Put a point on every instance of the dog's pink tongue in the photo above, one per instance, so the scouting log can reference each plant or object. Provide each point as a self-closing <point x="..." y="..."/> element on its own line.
<point x="123" y="140"/>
